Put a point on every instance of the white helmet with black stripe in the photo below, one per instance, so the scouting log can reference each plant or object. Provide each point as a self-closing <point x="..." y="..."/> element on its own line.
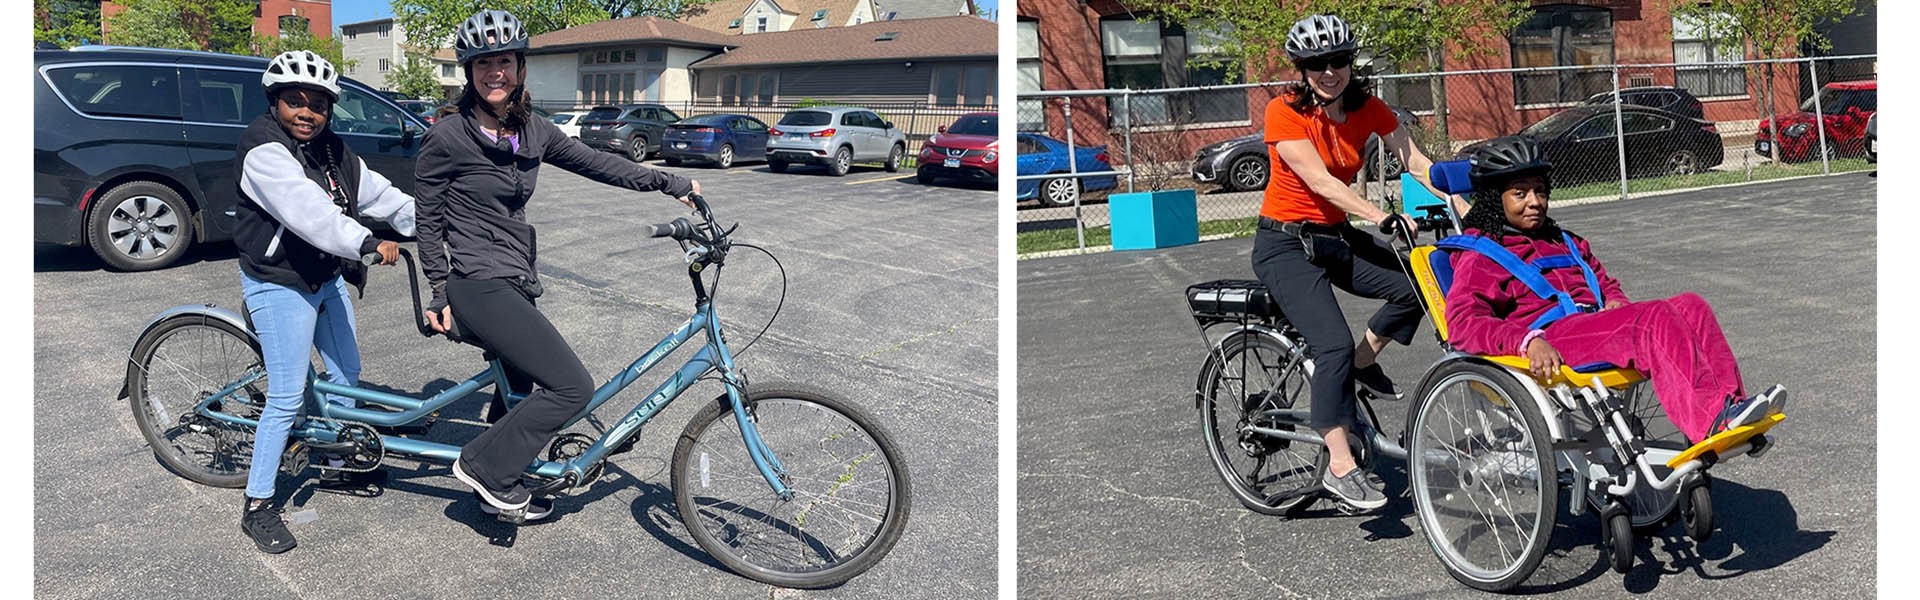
<point x="488" y="32"/>
<point x="1320" y="35"/>
<point x="301" y="67"/>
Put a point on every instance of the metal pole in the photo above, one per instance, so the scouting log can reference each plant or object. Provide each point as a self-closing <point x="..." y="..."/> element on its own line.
<point x="1619" y="134"/>
<point x="1126" y="108"/>
<point x="1073" y="168"/>
<point x="1819" y="118"/>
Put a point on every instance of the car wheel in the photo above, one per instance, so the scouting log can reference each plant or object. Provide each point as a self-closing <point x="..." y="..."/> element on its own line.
<point x="1247" y="173"/>
<point x="842" y="162"/>
<point x="776" y="165"/>
<point x="923" y="176"/>
<point x="1059" y="192"/>
<point x="140" y="226"/>
<point x="726" y="156"/>
<point x="893" y="158"/>
<point x="637" y="148"/>
<point x="1683" y="162"/>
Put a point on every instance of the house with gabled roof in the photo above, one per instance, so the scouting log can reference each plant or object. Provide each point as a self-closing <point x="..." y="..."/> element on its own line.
<point x="745" y="17"/>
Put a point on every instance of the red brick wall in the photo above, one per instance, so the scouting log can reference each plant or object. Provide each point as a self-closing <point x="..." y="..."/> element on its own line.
<point x="319" y="14"/>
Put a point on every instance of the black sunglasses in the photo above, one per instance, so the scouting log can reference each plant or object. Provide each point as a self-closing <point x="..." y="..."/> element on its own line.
<point x="1323" y="64"/>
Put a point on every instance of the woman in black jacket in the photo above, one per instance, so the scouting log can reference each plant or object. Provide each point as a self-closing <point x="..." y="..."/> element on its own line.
<point x="476" y="170"/>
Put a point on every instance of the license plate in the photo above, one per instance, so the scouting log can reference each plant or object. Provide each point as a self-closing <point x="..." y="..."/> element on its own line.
<point x="595" y="127"/>
<point x="796" y="136"/>
<point x="1873" y="146"/>
<point x="1763" y="146"/>
<point x="951" y="163"/>
<point x="680" y="145"/>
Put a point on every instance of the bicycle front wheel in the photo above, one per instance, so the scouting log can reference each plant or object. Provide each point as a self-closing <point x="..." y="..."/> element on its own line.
<point x="850" y="490"/>
<point x="177" y="364"/>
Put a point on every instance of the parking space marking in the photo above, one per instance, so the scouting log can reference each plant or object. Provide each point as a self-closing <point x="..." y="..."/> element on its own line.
<point x="896" y="177"/>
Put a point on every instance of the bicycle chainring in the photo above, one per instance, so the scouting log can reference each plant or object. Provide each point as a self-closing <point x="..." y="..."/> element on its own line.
<point x="570" y="446"/>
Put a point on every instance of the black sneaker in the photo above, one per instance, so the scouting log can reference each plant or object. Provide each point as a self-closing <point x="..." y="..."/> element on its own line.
<point x="512" y="499"/>
<point x="537" y="508"/>
<point x="262" y="521"/>
<point x="1354" y="489"/>
<point x="1374" y="380"/>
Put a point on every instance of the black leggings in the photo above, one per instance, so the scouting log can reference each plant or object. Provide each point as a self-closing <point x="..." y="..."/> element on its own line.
<point x="505" y="320"/>
<point x="1363" y="266"/>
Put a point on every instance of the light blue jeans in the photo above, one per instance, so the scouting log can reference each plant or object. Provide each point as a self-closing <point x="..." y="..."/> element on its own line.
<point x="290" y="323"/>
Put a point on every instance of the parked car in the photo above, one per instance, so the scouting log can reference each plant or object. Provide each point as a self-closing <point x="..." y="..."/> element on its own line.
<point x="134" y="147"/>
<point x="717" y="139"/>
<point x="1042" y="155"/>
<point x="1671" y="99"/>
<point x="393" y="95"/>
<point x="425" y="109"/>
<point x="568" y="122"/>
<point x="836" y="137"/>
<point x="1580" y="143"/>
<point x="1242" y="163"/>
<point x="634" y="129"/>
<point x="969" y="149"/>
<point x="1873" y="141"/>
<point x="1844" y="109"/>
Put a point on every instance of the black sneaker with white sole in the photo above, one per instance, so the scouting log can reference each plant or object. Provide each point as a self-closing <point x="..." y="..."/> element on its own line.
<point x="263" y="522"/>
<point x="512" y="499"/>
<point x="1374" y="380"/>
<point x="1353" y="489"/>
<point x="537" y="508"/>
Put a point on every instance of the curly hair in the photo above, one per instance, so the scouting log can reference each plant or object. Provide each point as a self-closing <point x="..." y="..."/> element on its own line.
<point x="1489" y="215"/>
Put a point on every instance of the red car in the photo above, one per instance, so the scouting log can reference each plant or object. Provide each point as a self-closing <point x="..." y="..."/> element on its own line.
<point x="1844" y="108"/>
<point x="969" y="150"/>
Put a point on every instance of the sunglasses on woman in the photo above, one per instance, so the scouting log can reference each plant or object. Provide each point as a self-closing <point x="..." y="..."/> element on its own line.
<point x="1325" y="64"/>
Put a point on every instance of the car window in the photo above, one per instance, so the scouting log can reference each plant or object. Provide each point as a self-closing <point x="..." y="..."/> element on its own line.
<point x="231" y="97"/>
<point x="1031" y="146"/>
<point x="561" y="119"/>
<point x="980" y="125"/>
<point x="606" y="113"/>
<point x="807" y="118"/>
<point x="120" y="90"/>
<point x="851" y="119"/>
<point x="1596" y="127"/>
<point x="751" y="124"/>
<point x="360" y="112"/>
<point x="1644" y="123"/>
<point x="667" y="114"/>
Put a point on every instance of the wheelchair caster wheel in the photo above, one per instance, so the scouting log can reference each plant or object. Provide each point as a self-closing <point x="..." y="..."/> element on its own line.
<point x="1620" y="542"/>
<point x="1698" y="513"/>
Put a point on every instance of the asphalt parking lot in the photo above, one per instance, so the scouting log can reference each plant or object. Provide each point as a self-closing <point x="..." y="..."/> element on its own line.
<point x="891" y="304"/>
<point x="1119" y="499"/>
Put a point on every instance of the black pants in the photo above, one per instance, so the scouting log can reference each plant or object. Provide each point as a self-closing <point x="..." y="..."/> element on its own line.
<point x="1353" y="261"/>
<point x="500" y="316"/>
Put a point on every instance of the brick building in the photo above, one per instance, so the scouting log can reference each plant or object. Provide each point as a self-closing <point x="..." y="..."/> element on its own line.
<point x="1095" y="44"/>
<point x="270" y="17"/>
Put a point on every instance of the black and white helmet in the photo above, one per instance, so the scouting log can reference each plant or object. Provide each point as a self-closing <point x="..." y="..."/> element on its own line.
<point x="1503" y="159"/>
<point x="1320" y="35"/>
<point x="301" y="67"/>
<point x="488" y="32"/>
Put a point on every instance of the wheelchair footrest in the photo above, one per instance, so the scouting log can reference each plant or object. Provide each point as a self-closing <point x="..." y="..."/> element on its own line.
<point x="1718" y="445"/>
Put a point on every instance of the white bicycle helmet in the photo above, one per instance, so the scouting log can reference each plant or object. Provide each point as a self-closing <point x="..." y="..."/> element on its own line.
<point x="1319" y="35"/>
<point x="301" y="67"/>
<point x="487" y="32"/>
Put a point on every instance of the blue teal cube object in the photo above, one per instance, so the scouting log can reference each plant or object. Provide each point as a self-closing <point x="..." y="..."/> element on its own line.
<point x="1146" y="220"/>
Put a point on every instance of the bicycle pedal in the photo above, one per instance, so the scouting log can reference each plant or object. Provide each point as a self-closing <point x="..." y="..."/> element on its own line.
<point x="1351" y="510"/>
<point x="516" y="516"/>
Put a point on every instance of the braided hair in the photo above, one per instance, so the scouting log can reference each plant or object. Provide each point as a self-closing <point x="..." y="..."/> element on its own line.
<point x="1489" y="215"/>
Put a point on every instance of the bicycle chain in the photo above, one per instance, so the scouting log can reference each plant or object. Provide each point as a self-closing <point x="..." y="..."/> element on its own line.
<point x="345" y="426"/>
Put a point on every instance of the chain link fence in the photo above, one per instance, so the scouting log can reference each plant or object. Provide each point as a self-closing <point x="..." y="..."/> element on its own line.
<point x="918" y="120"/>
<point x="1612" y="131"/>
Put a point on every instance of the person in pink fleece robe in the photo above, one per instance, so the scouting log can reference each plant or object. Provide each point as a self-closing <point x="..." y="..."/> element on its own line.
<point x="1677" y="342"/>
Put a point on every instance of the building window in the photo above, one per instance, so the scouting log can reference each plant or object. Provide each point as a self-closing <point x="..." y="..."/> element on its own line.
<point x="655" y="55"/>
<point x="446" y="70"/>
<point x="350" y="33"/>
<point x="957" y="86"/>
<point x="292" y="24"/>
<point x="729" y="89"/>
<point x="820" y="15"/>
<point x="735" y="24"/>
<point x="1691" y="44"/>
<point x="760" y="24"/>
<point x="385" y="64"/>
<point x="607" y="88"/>
<point x="1558" y="36"/>
<point x="386" y="30"/>
<point x="767" y="87"/>
<point x="1148" y="55"/>
<point x="1032" y="111"/>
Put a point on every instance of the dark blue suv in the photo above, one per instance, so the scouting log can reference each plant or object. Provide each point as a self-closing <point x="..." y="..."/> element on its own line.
<point x="133" y="147"/>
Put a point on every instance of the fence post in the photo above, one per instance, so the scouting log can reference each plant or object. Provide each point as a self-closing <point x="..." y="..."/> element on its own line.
<point x="1126" y="108"/>
<point x="1619" y="133"/>
<point x="1073" y="167"/>
<point x="1819" y="118"/>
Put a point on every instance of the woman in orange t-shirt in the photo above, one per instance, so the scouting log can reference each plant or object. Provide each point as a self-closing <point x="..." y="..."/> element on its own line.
<point x="1305" y="247"/>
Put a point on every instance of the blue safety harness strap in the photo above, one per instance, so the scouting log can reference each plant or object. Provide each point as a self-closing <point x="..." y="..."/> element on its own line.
<point x="1529" y="273"/>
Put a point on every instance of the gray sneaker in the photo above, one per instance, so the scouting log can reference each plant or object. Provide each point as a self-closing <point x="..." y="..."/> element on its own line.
<point x="1354" y="489"/>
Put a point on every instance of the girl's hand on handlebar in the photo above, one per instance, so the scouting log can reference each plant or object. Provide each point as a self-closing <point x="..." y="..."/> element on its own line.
<point x="440" y="320"/>
<point x="688" y="199"/>
<point x="389" y="252"/>
<point x="1543" y="359"/>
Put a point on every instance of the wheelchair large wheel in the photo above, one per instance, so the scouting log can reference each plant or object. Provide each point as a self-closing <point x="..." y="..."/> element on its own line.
<point x="174" y="366"/>
<point x="1481" y="465"/>
<point x="1252" y="374"/>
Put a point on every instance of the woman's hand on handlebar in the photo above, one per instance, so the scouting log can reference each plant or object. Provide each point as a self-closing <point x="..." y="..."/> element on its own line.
<point x="440" y="320"/>
<point x="389" y="252"/>
<point x="688" y="199"/>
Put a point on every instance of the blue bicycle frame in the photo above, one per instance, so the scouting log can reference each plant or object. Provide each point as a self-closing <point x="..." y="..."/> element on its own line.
<point x="714" y="356"/>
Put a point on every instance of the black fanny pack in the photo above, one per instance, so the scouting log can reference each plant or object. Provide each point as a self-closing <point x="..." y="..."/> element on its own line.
<point x="528" y="286"/>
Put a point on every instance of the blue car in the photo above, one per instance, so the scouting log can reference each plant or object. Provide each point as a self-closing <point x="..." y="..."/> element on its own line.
<point x="1040" y="155"/>
<point x="715" y="139"/>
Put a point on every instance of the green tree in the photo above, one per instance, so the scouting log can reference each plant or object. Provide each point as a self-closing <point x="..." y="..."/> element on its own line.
<point x="215" y="25"/>
<point x="330" y="48"/>
<point x="1771" y="28"/>
<point x="67" y="23"/>
<point x="415" y="77"/>
<point x="431" y="23"/>
<point x="1391" y="32"/>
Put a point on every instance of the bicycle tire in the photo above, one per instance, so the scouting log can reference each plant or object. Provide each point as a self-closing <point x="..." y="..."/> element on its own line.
<point x="1300" y="466"/>
<point x="1451" y="480"/>
<point x="719" y="522"/>
<point x="163" y="406"/>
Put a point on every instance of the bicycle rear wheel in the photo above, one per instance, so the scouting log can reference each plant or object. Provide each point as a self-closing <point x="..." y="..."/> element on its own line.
<point x="1252" y="374"/>
<point x="850" y="488"/>
<point x="180" y="362"/>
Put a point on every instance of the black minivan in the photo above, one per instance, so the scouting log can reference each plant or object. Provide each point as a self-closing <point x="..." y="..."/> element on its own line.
<point x="133" y="147"/>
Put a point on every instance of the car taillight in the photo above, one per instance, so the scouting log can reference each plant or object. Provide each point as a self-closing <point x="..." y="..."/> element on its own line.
<point x="828" y="132"/>
<point x="706" y="130"/>
<point x="775" y="131"/>
<point x="1102" y="157"/>
<point x="1710" y="128"/>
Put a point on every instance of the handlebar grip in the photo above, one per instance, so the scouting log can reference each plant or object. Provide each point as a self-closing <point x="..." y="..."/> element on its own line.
<point x="1391" y="224"/>
<point x="679" y="229"/>
<point x="700" y="203"/>
<point x="370" y="258"/>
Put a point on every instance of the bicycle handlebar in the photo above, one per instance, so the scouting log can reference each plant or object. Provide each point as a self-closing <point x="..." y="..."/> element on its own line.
<point x="370" y="258"/>
<point x="679" y="229"/>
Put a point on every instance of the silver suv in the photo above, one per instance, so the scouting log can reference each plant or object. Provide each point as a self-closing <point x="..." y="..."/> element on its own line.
<point x="835" y="136"/>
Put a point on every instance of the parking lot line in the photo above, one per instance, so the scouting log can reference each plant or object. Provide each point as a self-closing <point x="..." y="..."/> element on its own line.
<point x="880" y="179"/>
